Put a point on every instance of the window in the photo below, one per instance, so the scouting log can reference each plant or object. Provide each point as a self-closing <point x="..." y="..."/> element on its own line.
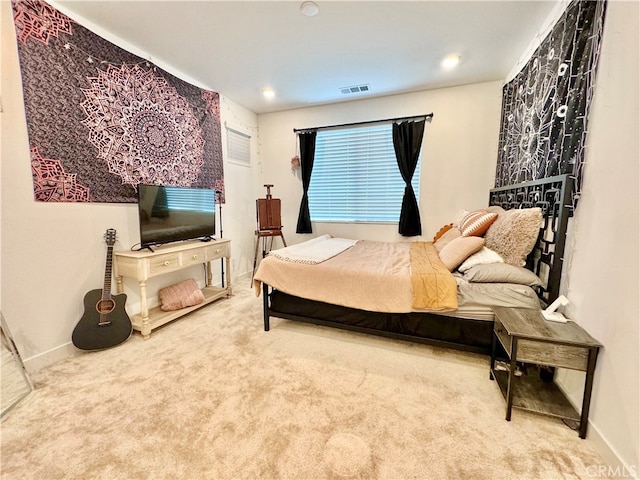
<point x="355" y="176"/>
<point x="238" y="147"/>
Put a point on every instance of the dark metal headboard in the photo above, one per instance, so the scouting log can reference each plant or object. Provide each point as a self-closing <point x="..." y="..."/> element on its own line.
<point x="553" y="196"/>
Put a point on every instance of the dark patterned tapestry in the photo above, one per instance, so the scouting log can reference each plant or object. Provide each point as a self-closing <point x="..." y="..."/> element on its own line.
<point x="101" y="120"/>
<point x="545" y="107"/>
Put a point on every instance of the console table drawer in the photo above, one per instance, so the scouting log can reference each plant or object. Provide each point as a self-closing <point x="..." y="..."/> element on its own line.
<point x="218" y="251"/>
<point x="163" y="263"/>
<point x="193" y="257"/>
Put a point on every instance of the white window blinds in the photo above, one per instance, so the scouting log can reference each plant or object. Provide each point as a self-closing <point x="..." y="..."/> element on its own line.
<point x="238" y="147"/>
<point x="355" y="176"/>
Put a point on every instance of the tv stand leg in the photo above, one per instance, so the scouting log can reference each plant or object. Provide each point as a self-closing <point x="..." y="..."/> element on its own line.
<point x="228" y="277"/>
<point x="208" y="274"/>
<point x="145" y="328"/>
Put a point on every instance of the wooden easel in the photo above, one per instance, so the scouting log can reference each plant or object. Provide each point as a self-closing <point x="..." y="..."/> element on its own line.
<point x="269" y="224"/>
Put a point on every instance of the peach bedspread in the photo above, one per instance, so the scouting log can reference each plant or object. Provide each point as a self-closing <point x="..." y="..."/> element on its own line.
<point x="394" y="277"/>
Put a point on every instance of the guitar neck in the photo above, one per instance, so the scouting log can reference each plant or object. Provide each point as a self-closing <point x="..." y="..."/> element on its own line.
<point x="106" y="289"/>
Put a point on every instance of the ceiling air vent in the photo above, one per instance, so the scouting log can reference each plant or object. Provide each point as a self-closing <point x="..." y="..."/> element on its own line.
<point x="354" y="89"/>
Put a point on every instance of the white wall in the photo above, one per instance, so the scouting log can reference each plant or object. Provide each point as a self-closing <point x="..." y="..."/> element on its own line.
<point x="1" y="130"/>
<point x="602" y="270"/>
<point x="241" y="185"/>
<point x="459" y="154"/>
<point x="52" y="254"/>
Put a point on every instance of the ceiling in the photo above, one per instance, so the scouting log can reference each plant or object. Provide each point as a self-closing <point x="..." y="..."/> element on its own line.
<point x="238" y="48"/>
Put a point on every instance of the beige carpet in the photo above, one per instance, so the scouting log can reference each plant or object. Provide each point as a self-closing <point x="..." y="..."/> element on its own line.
<point x="213" y="396"/>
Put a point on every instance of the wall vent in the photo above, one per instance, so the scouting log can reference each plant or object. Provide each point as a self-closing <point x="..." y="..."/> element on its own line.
<point x="355" y="89"/>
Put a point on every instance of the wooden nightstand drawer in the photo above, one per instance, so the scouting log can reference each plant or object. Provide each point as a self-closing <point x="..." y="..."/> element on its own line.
<point x="544" y="353"/>
<point x="565" y="356"/>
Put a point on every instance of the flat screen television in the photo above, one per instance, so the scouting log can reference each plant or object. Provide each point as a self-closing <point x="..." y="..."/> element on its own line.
<point x="171" y="214"/>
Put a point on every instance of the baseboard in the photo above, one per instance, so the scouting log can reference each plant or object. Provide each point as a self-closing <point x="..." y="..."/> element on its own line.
<point x="614" y="466"/>
<point x="246" y="276"/>
<point x="44" y="359"/>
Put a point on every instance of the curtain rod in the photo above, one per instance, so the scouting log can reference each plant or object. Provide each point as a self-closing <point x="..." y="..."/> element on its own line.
<point x="426" y="115"/>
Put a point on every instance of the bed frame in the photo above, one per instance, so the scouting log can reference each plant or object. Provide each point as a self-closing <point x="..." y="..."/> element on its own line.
<point x="552" y="195"/>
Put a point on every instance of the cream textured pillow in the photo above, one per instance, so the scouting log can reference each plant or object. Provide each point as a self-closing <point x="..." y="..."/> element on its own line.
<point x="476" y="223"/>
<point x="459" y="249"/>
<point x="483" y="256"/>
<point x="181" y="295"/>
<point x="502" y="273"/>
<point x="514" y="234"/>
<point x="446" y="237"/>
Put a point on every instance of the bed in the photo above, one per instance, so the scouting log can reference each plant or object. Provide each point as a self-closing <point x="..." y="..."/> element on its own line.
<point x="392" y="304"/>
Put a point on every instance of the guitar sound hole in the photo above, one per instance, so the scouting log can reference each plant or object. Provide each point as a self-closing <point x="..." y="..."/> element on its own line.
<point x="105" y="306"/>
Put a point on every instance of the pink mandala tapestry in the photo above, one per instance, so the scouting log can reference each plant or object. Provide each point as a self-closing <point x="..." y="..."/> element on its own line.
<point x="101" y="120"/>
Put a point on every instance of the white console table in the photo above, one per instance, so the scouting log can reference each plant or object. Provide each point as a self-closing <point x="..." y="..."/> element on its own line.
<point x="145" y="264"/>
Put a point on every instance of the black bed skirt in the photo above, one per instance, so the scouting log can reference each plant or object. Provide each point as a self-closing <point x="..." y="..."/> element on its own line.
<point x="453" y="332"/>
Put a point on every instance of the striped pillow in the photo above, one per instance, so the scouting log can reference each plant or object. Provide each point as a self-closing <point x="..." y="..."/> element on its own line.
<point x="476" y="223"/>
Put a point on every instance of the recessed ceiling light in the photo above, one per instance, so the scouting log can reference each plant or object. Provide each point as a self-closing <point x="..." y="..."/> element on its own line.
<point x="268" y="93"/>
<point x="309" y="9"/>
<point x="450" y="61"/>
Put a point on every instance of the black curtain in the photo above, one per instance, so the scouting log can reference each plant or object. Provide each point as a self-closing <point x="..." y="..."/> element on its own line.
<point x="407" y="140"/>
<point x="307" y="153"/>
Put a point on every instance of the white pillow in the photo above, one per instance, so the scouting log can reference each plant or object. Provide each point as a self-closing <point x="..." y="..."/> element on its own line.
<point x="482" y="257"/>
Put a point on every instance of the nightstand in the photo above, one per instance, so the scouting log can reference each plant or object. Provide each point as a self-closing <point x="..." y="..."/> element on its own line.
<point x="528" y="338"/>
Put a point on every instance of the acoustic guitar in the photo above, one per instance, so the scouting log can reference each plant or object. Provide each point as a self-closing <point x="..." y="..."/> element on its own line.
<point x="105" y="322"/>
